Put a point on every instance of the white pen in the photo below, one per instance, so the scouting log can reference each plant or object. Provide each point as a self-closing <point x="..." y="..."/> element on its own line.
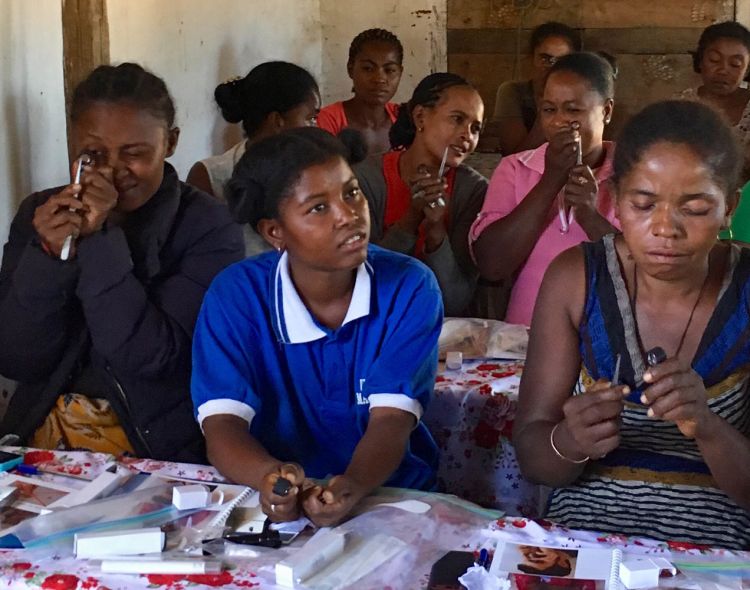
<point x="83" y="160"/>
<point x="440" y="201"/>
<point x="563" y="214"/>
<point x="146" y="564"/>
<point x="442" y="164"/>
<point x="567" y="216"/>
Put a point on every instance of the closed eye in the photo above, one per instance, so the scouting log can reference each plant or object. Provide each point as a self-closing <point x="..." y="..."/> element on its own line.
<point x="698" y="212"/>
<point x="642" y="205"/>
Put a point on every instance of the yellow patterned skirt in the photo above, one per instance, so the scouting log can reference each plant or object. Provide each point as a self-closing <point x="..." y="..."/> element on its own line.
<point x="80" y="422"/>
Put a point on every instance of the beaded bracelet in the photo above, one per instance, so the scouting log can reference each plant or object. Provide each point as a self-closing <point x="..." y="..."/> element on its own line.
<point x="558" y="453"/>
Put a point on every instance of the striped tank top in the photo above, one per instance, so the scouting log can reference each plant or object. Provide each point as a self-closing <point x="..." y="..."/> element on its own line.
<point x="656" y="484"/>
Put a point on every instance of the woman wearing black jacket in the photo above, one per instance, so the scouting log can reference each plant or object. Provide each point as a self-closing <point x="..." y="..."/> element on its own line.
<point x="101" y="342"/>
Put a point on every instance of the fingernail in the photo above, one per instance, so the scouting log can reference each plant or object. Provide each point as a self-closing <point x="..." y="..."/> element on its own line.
<point x="647" y="376"/>
<point x="650" y="413"/>
<point x="644" y="399"/>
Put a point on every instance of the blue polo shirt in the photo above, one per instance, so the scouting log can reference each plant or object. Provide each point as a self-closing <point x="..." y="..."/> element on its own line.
<point x="306" y="390"/>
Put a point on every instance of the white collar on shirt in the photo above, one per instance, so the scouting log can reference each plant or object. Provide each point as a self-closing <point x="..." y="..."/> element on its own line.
<point x="294" y="320"/>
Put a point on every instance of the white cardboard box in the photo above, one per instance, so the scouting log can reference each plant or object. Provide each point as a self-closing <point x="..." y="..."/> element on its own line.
<point x="130" y="542"/>
<point x="103" y="485"/>
<point x="643" y="572"/>
<point x="190" y="496"/>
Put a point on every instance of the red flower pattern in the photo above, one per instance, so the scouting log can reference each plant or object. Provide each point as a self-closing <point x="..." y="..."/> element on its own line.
<point x="684" y="546"/>
<point x="174" y="580"/>
<point x="221" y="579"/>
<point x="60" y="582"/>
<point x="36" y="457"/>
<point x="485" y="436"/>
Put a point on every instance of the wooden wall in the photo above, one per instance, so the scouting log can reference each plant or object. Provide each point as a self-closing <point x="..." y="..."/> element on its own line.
<point x="488" y="41"/>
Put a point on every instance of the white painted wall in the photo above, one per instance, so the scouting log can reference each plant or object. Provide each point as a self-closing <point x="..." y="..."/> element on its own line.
<point x="33" y="148"/>
<point x="419" y="24"/>
<point x="196" y="44"/>
<point x="193" y="45"/>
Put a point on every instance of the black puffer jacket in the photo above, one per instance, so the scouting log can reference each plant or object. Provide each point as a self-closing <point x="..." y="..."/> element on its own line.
<point x="126" y="305"/>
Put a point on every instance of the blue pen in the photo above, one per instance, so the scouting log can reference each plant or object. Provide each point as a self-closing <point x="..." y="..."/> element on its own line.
<point x="483" y="557"/>
<point x="25" y="469"/>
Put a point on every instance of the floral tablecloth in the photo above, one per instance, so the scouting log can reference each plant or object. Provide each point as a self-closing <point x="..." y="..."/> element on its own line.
<point x="443" y="523"/>
<point x="471" y="417"/>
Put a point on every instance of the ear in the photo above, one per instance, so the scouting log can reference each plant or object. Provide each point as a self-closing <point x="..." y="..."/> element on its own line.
<point x="418" y="116"/>
<point x="276" y="120"/>
<point x="609" y="106"/>
<point x="173" y="135"/>
<point x="733" y="199"/>
<point x="272" y="232"/>
<point x="350" y="69"/>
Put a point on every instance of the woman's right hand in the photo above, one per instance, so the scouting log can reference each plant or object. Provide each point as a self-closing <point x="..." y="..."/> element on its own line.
<point x="592" y="422"/>
<point x="59" y="217"/>
<point x="282" y="508"/>
<point x="561" y="155"/>
<point x="426" y="192"/>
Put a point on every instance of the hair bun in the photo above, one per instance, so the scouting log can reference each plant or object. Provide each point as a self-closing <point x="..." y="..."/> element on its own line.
<point x="229" y="98"/>
<point x="245" y="198"/>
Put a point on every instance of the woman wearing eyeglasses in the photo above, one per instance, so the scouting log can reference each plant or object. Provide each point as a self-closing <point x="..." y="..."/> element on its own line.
<point x="515" y="114"/>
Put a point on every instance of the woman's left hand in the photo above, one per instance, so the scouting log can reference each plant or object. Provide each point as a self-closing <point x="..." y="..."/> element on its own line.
<point x="99" y="197"/>
<point x="676" y="393"/>
<point x="329" y="505"/>
<point x="581" y="189"/>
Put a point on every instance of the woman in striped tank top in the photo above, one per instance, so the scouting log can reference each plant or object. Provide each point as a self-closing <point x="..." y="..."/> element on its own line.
<point x="659" y="450"/>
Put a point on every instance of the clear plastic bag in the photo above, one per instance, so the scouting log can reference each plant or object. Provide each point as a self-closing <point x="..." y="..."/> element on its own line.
<point x="149" y="507"/>
<point x="477" y="338"/>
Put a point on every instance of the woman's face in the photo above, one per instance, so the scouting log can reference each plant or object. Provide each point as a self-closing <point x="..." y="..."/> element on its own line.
<point x="547" y="53"/>
<point x="324" y="223"/>
<point x="376" y="72"/>
<point x="543" y="558"/>
<point x="670" y="209"/>
<point x="304" y="114"/>
<point x="454" y="122"/>
<point x="724" y="65"/>
<point x="568" y="98"/>
<point x="132" y="141"/>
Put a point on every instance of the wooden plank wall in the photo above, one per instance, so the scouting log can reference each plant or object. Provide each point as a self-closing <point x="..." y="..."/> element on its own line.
<point x="85" y="44"/>
<point x="488" y="41"/>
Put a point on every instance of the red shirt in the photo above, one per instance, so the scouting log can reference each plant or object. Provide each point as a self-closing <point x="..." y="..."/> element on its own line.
<point x="332" y="118"/>
<point x="398" y="200"/>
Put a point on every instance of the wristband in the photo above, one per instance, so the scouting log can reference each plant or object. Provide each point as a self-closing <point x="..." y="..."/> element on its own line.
<point x="558" y="453"/>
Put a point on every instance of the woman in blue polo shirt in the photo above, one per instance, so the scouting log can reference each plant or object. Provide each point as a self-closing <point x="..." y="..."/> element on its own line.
<point x="319" y="358"/>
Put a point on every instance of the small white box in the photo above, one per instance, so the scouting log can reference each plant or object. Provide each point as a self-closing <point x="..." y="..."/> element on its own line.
<point x="320" y="550"/>
<point x="130" y="542"/>
<point x="643" y="572"/>
<point x="454" y="360"/>
<point x="190" y="496"/>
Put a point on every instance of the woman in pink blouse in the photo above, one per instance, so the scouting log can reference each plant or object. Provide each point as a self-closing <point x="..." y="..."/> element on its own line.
<point x="543" y="201"/>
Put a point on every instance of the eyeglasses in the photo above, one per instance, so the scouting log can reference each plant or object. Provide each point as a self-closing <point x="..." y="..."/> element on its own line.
<point x="546" y="59"/>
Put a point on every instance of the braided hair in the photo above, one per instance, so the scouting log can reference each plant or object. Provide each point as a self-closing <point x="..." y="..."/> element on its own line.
<point x="428" y="93"/>
<point x="125" y="83"/>
<point x="370" y="35"/>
